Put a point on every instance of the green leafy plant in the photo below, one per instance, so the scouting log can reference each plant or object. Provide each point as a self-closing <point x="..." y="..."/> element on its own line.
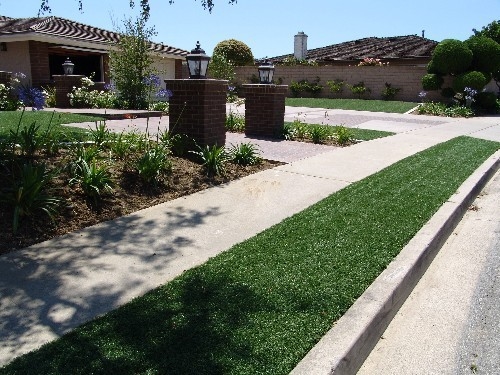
<point x="50" y="96"/>
<point x="29" y="192"/>
<point x="82" y="153"/>
<point x="304" y="86"/>
<point x="235" y="123"/>
<point x="131" y="63"/>
<point x="213" y="159"/>
<point x="300" y="129"/>
<point x="319" y="133"/>
<point x="85" y="96"/>
<point x="245" y="154"/>
<point x="336" y="86"/>
<point x="441" y="109"/>
<point x="343" y="135"/>
<point x="359" y="89"/>
<point x="234" y="51"/>
<point x="101" y="134"/>
<point x="389" y="92"/>
<point x="29" y="139"/>
<point x="153" y="164"/>
<point x="95" y="180"/>
<point x="287" y="131"/>
<point x="451" y="56"/>
<point x="293" y="61"/>
<point x="432" y="81"/>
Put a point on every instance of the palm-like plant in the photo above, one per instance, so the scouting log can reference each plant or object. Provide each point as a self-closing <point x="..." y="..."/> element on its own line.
<point x="28" y="193"/>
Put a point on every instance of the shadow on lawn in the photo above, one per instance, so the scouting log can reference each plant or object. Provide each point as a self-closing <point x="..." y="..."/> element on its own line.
<point x="184" y="328"/>
<point x="50" y="288"/>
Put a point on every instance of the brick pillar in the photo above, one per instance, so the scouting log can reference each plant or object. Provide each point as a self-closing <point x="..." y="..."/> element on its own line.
<point x="264" y="109"/>
<point x="39" y="61"/>
<point x="5" y="77"/>
<point x="64" y="85"/>
<point x="198" y="109"/>
<point x="178" y="70"/>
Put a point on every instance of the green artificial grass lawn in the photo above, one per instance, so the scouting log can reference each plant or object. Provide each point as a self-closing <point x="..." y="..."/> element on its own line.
<point x="259" y="307"/>
<point x="9" y="120"/>
<point x="353" y="104"/>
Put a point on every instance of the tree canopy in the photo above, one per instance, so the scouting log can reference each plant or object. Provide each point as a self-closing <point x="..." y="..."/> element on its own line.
<point x="144" y="5"/>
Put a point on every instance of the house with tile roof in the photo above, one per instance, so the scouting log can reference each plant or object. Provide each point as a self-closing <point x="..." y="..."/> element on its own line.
<point x="39" y="46"/>
<point x="397" y="50"/>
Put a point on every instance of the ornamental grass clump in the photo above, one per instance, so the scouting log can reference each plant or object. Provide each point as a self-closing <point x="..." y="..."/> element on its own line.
<point x="28" y="191"/>
<point x="244" y="154"/>
<point x="213" y="159"/>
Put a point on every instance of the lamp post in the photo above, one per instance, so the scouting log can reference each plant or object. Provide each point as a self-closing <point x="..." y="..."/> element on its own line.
<point x="266" y="72"/>
<point x="68" y="67"/>
<point x="197" y="62"/>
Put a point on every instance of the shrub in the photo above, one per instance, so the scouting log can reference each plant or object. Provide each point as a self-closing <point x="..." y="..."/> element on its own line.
<point x="486" y="101"/>
<point x="221" y="68"/>
<point x="359" y="89"/>
<point x="451" y="56"/>
<point x="293" y="61"/>
<point x="440" y="109"/>
<point x="319" y="133"/>
<point x="131" y="63"/>
<point x="244" y="154"/>
<point x="336" y="86"/>
<point x="235" y="51"/>
<point x="475" y="80"/>
<point x="235" y="123"/>
<point x="369" y="61"/>
<point x="213" y="159"/>
<point x="8" y="102"/>
<point x="28" y="192"/>
<point x="304" y="86"/>
<point x="448" y="92"/>
<point x="485" y="54"/>
<point x="343" y="135"/>
<point x="389" y="92"/>
<point x="432" y="81"/>
<point x="50" y="96"/>
<point x="93" y="179"/>
<point x="86" y="97"/>
<point x="153" y="164"/>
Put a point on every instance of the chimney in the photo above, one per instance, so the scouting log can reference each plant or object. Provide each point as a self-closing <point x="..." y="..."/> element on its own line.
<point x="300" y="46"/>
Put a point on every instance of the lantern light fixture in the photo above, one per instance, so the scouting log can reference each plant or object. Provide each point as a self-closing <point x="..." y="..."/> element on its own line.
<point x="197" y="62"/>
<point x="266" y="72"/>
<point x="68" y="67"/>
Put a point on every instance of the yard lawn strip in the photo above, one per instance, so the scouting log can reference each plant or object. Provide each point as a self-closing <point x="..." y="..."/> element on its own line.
<point x="386" y="106"/>
<point x="262" y="305"/>
<point x="9" y="120"/>
<point x="358" y="133"/>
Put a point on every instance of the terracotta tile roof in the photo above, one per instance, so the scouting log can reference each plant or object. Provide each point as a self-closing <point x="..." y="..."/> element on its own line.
<point x="398" y="47"/>
<point x="67" y="29"/>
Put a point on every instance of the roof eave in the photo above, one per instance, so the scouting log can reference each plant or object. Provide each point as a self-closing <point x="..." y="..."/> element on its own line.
<point x="47" y="38"/>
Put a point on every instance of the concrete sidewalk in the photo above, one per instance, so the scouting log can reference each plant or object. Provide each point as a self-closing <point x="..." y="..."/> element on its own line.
<point x="50" y="288"/>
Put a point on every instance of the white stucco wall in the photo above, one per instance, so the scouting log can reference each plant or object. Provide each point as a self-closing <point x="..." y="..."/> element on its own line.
<point x="16" y="59"/>
<point x="165" y="68"/>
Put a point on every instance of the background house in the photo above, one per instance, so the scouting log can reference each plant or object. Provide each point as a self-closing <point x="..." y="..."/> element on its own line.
<point x="404" y="62"/>
<point x="37" y="47"/>
<point x="397" y="50"/>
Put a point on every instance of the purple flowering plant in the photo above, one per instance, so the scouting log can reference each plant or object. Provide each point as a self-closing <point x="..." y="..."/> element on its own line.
<point x="29" y="96"/>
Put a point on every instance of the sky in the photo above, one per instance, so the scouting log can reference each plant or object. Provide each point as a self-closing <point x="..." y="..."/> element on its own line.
<point x="268" y="27"/>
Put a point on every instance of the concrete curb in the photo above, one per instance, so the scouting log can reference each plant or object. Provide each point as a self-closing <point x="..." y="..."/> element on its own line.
<point x="346" y="346"/>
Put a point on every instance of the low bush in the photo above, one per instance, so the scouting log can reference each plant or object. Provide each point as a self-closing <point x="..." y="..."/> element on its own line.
<point x="213" y="159"/>
<point x="305" y="87"/>
<point x="360" y="90"/>
<point x="235" y="123"/>
<point x="244" y="154"/>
